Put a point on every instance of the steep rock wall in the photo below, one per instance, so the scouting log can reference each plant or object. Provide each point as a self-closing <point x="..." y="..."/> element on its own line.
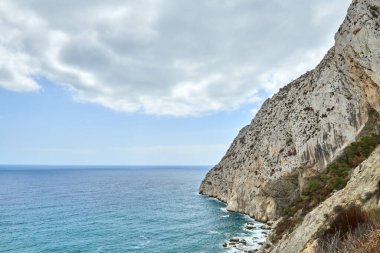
<point x="363" y="189"/>
<point x="304" y="126"/>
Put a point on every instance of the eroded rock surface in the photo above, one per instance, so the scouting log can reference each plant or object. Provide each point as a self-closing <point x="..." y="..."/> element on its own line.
<point x="363" y="189"/>
<point x="304" y="126"/>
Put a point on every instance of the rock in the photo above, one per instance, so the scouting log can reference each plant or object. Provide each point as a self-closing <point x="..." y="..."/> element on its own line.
<point x="225" y="245"/>
<point x="365" y="178"/>
<point x="250" y="227"/>
<point x="242" y="241"/>
<point x="234" y="239"/>
<point x="311" y="247"/>
<point x="303" y="127"/>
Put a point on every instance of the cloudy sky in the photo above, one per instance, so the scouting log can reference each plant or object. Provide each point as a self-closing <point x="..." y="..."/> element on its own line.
<point x="147" y="81"/>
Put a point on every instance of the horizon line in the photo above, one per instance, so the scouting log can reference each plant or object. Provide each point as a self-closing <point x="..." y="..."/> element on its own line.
<point x="113" y="165"/>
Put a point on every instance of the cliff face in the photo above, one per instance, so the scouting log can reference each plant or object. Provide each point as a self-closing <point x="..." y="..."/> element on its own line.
<point x="304" y="126"/>
<point x="363" y="189"/>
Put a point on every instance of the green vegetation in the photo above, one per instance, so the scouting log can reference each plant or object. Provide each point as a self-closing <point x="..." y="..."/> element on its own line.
<point x="320" y="187"/>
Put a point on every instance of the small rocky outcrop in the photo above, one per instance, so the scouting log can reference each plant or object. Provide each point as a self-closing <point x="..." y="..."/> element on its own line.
<point x="303" y="127"/>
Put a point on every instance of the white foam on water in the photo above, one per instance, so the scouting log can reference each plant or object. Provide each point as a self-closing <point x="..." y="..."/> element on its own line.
<point x="217" y="200"/>
<point x="251" y="245"/>
<point x="249" y="218"/>
<point x="254" y="237"/>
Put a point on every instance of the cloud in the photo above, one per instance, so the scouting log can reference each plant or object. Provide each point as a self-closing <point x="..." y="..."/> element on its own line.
<point x="160" y="57"/>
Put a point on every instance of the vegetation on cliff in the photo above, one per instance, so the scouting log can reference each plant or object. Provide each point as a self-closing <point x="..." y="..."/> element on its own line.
<point x="352" y="230"/>
<point x="321" y="186"/>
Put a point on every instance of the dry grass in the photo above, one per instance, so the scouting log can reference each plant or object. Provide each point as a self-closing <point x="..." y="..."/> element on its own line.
<point x="369" y="243"/>
<point x="352" y="231"/>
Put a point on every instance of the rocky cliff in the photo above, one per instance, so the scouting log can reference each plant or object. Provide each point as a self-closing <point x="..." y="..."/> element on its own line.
<point x="303" y="127"/>
<point x="363" y="189"/>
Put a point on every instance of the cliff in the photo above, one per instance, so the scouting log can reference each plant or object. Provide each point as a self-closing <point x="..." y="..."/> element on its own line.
<point x="303" y="127"/>
<point x="363" y="189"/>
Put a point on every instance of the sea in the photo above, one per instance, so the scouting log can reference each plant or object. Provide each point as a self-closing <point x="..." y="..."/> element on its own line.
<point x="115" y="209"/>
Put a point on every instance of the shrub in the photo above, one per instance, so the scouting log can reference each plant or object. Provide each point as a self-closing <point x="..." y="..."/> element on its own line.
<point x="283" y="226"/>
<point x="339" y="183"/>
<point x="335" y="177"/>
<point x="347" y="220"/>
<point x="352" y="230"/>
<point x="313" y="185"/>
<point x="287" y="211"/>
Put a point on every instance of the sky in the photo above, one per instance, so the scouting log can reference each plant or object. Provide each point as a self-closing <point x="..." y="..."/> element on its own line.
<point x="147" y="82"/>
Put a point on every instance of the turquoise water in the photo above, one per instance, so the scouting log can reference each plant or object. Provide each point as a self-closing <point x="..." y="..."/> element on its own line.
<point x="111" y="209"/>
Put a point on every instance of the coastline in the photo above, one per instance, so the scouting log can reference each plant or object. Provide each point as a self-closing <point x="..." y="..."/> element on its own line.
<point x="254" y="232"/>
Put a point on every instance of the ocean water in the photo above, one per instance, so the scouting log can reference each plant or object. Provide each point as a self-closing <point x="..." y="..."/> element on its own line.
<point x="113" y="209"/>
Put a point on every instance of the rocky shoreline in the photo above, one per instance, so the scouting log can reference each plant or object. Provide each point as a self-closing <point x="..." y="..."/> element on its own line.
<point x="251" y="243"/>
<point x="258" y="233"/>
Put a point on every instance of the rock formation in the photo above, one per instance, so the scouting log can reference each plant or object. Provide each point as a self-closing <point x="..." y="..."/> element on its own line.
<point x="363" y="189"/>
<point x="303" y="127"/>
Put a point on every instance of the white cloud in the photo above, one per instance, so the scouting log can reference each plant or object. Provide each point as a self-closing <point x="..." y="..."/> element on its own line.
<point x="164" y="57"/>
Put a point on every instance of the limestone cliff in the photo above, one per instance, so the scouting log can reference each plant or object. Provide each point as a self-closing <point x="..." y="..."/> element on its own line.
<point x="304" y="126"/>
<point x="363" y="189"/>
